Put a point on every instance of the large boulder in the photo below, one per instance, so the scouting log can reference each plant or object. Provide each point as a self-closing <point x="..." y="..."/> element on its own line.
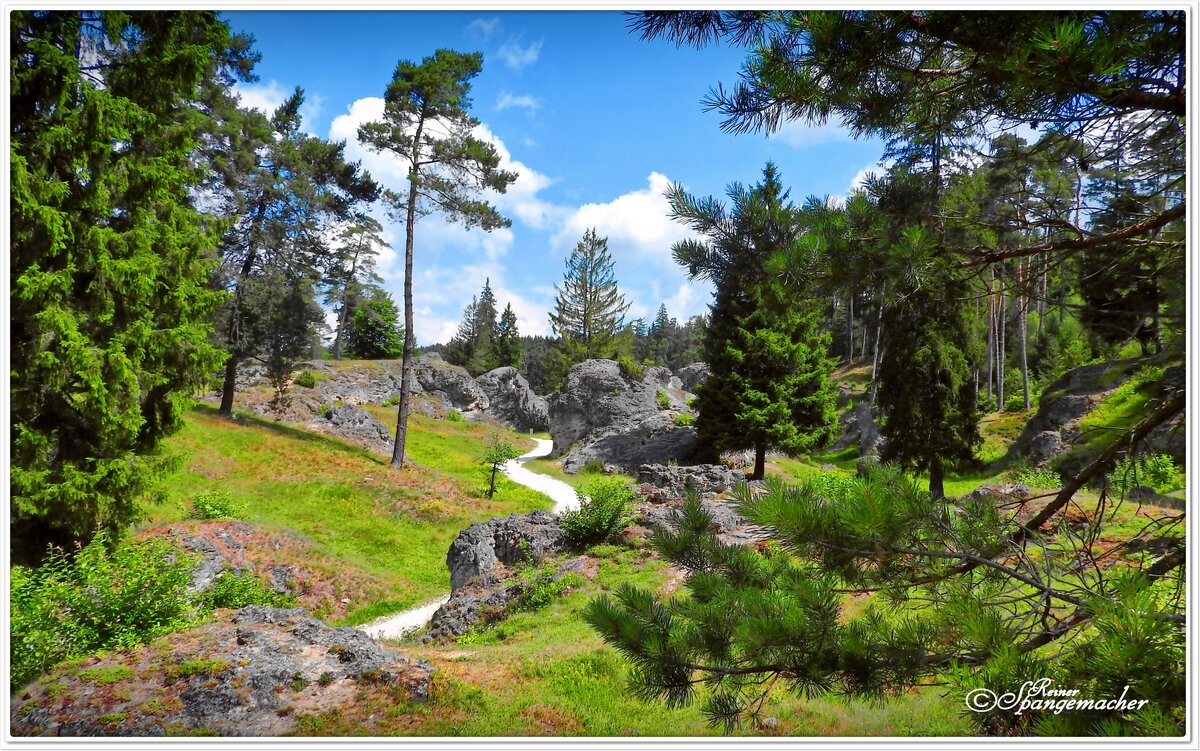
<point x="699" y="478"/>
<point x="250" y="673"/>
<point x="517" y="538"/>
<point x="355" y="425"/>
<point x="600" y="414"/>
<point x="859" y="429"/>
<point x="512" y="402"/>
<point x="449" y="384"/>
<point x="692" y="376"/>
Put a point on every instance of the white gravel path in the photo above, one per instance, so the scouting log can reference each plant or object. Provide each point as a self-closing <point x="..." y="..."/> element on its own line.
<point x="397" y="625"/>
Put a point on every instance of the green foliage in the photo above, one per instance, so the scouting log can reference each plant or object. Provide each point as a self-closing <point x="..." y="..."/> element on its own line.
<point x="498" y="452"/>
<point x="216" y="504"/>
<point x="1156" y="471"/>
<point x="684" y="419"/>
<point x="589" y="310"/>
<point x="237" y="589"/>
<point x="307" y="379"/>
<point x="106" y="675"/>
<point x="100" y="599"/>
<point x="631" y="369"/>
<point x="108" y="257"/>
<point x="604" y="510"/>
<point x="375" y="331"/>
<point x="661" y="399"/>
<point x="455" y="416"/>
<point x="197" y="666"/>
<point x="1038" y="477"/>
<point x="392" y="400"/>
<point x="542" y="586"/>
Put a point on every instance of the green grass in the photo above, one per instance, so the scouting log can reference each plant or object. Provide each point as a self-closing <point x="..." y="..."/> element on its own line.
<point x="553" y="468"/>
<point x="391" y="526"/>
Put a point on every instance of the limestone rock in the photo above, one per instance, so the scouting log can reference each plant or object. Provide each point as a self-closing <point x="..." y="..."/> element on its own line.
<point x="700" y="478"/>
<point x="355" y="425"/>
<point x="511" y="539"/>
<point x="512" y="402"/>
<point x="692" y="376"/>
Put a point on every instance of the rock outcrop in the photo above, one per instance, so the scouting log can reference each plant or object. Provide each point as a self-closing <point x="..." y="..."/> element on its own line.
<point x="601" y="415"/>
<point x="691" y="376"/>
<point x="699" y="478"/>
<point x="450" y="385"/>
<point x="355" y="425"/>
<point x="254" y="672"/>
<point x="517" y="538"/>
<point x="512" y="402"/>
<point x="859" y="429"/>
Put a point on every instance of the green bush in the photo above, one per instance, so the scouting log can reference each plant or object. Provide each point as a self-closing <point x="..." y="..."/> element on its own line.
<point x="307" y="379"/>
<point x="1043" y="477"/>
<point x="455" y="416"/>
<point x="661" y="398"/>
<point x="393" y="401"/>
<point x="832" y="486"/>
<point x="100" y="600"/>
<point x="604" y="509"/>
<point x="216" y="504"/>
<point x="540" y="587"/>
<point x="630" y="368"/>
<point x="594" y="467"/>
<point x="1157" y="471"/>
<point x="684" y="419"/>
<point x="237" y="589"/>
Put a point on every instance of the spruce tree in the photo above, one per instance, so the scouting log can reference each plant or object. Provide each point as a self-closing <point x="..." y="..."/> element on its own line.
<point x="589" y="309"/>
<point x="352" y="271"/>
<point x="108" y="257"/>
<point x="426" y="124"/>
<point x="375" y="332"/>
<point x="508" y="340"/>
<point x="769" y="382"/>
<point x="483" y="348"/>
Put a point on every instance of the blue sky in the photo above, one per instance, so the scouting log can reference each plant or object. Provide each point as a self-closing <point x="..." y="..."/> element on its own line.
<point x="596" y="122"/>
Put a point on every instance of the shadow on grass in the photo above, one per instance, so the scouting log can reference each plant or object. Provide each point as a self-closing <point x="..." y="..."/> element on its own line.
<point x="299" y="434"/>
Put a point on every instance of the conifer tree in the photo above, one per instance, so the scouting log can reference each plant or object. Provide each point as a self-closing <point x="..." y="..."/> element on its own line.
<point x="769" y="383"/>
<point x="352" y="271"/>
<point x="426" y="124"/>
<point x="508" y="340"/>
<point x="589" y="310"/>
<point x="375" y="332"/>
<point x="108" y="257"/>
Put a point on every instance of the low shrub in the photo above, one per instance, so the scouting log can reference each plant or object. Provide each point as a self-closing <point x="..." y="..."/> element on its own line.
<point x="307" y="379"/>
<point x="392" y="401"/>
<point x="237" y="589"/>
<point x="216" y="504"/>
<point x="662" y="400"/>
<point x="100" y="599"/>
<point x="540" y="587"/>
<point x="594" y="467"/>
<point x="1043" y="477"/>
<point x="630" y="368"/>
<point x="685" y="419"/>
<point x="604" y="510"/>
<point x="830" y="485"/>
<point x="455" y="416"/>
<point x="1157" y="471"/>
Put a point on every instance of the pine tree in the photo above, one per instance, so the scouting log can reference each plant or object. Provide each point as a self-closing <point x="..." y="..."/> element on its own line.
<point x="290" y="188"/>
<point x="508" y="340"/>
<point x="108" y="257"/>
<point x="769" y="383"/>
<point x="351" y="271"/>
<point x="589" y="310"/>
<point x="483" y="349"/>
<point x="461" y="348"/>
<point x="427" y="125"/>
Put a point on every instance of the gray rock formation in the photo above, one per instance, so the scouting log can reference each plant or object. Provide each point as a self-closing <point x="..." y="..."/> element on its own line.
<point x="448" y="384"/>
<point x="355" y="425"/>
<point x="1044" y="446"/>
<point x="700" y="478"/>
<point x="600" y="415"/>
<point x="859" y="429"/>
<point x="252" y="673"/>
<point x="517" y="538"/>
<point x="691" y="376"/>
<point x="512" y="402"/>
<point x="481" y="603"/>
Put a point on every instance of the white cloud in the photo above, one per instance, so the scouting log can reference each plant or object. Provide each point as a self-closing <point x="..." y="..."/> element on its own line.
<point x="266" y="98"/>
<point x="484" y="27"/>
<point x="636" y="224"/>
<point x="509" y="100"/>
<point x="801" y="135"/>
<point x="517" y="56"/>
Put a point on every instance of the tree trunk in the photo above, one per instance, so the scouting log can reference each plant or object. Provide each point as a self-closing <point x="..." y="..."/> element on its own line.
<point x="406" y="367"/>
<point x="1000" y="348"/>
<point x="228" y="387"/>
<point x="875" y="353"/>
<point x="1022" y="328"/>
<point x="849" y="328"/>
<point x="991" y="335"/>
<point x="936" y="480"/>
<point x="760" y="461"/>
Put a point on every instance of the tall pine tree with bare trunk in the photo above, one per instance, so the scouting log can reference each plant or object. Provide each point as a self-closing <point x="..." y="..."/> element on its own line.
<point x="426" y="124"/>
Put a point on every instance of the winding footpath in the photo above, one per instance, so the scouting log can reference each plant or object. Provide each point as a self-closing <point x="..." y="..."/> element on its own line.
<point x="397" y="625"/>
